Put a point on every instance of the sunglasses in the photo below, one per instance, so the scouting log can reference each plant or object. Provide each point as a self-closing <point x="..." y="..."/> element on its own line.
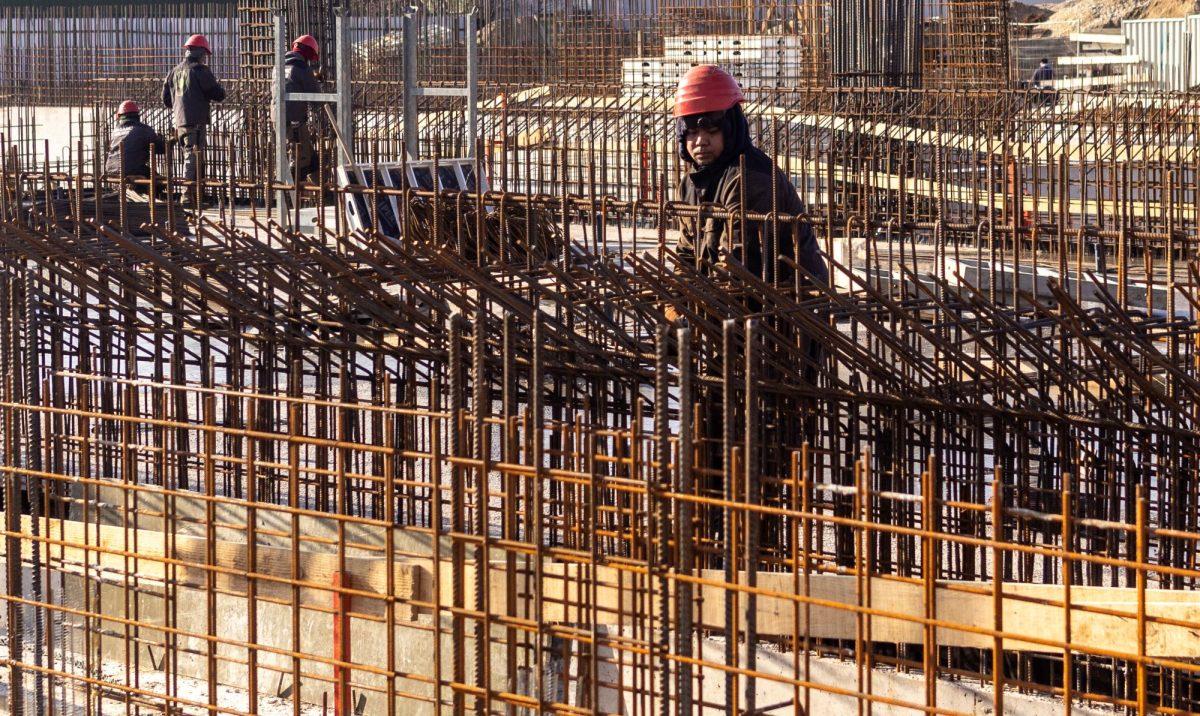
<point x="709" y="121"/>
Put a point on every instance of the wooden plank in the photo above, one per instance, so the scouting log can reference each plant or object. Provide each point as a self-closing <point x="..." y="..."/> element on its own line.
<point x="966" y="605"/>
<point x="368" y="574"/>
<point x="928" y="188"/>
<point x="967" y="194"/>
<point x="1031" y="611"/>
<point x="973" y="610"/>
<point x="1071" y="146"/>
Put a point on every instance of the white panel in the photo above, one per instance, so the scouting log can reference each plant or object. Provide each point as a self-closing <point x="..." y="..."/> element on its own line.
<point x="1097" y="38"/>
<point x="1094" y="81"/>
<point x="1162" y="46"/>
<point x="1088" y="60"/>
<point x="1193" y="30"/>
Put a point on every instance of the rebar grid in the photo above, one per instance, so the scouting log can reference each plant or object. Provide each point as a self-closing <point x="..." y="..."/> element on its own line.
<point x="206" y="415"/>
<point x="459" y="459"/>
<point x="90" y="57"/>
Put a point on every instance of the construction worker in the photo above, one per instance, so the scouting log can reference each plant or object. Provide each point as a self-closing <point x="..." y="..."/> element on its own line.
<point x="724" y="168"/>
<point x="1043" y="83"/>
<point x="1043" y="76"/>
<point x="131" y="142"/>
<point x="189" y="90"/>
<point x="714" y="139"/>
<point x="299" y="77"/>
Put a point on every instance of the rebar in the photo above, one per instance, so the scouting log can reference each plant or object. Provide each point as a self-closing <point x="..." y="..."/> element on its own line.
<point x="496" y="448"/>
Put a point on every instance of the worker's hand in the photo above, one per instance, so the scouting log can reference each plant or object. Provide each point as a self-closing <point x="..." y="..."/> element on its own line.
<point x="670" y="313"/>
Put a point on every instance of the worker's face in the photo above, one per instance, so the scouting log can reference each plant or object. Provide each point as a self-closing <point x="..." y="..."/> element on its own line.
<point x="705" y="144"/>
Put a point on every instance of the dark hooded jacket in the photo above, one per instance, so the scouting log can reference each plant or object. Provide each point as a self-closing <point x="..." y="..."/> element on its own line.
<point x="298" y="77"/>
<point x="722" y="183"/>
<point x="130" y="146"/>
<point x="1044" y="73"/>
<point x="188" y="90"/>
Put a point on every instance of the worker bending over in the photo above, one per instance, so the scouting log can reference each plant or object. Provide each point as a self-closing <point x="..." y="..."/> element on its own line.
<point x="298" y="76"/>
<point x="131" y="142"/>
<point x="189" y="91"/>
<point x="714" y="138"/>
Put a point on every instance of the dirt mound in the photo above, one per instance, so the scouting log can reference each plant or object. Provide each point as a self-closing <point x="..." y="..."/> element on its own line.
<point x="1085" y="15"/>
<point x="1020" y="12"/>
<point x="1172" y="8"/>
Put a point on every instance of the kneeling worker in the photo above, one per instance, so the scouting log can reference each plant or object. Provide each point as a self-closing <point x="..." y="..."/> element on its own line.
<point x="131" y="142"/>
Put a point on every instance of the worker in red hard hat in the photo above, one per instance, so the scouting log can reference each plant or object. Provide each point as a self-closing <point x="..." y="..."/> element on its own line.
<point x="130" y="144"/>
<point x="714" y="142"/>
<point x="298" y="76"/>
<point x="723" y="168"/>
<point x="189" y="90"/>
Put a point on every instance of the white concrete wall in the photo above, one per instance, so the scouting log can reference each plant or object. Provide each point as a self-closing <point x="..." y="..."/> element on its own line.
<point x="60" y="126"/>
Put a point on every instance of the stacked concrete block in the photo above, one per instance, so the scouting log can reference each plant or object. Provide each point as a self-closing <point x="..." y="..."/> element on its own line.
<point x="754" y="60"/>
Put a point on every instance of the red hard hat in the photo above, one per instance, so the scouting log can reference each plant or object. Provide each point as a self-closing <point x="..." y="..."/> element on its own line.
<point x="199" y="41"/>
<point x="307" y="44"/>
<point x="128" y="107"/>
<point x="706" y="88"/>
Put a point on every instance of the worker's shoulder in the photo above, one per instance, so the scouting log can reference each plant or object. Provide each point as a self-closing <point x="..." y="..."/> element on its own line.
<point x="759" y="176"/>
<point x="688" y="191"/>
<point x="756" y="164"/>
<point x="184" y="68"/>
<point x="192" y="66"/>
<point x="755" y="175"/>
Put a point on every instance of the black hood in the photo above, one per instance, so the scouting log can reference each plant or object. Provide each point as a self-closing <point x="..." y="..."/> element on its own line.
<point x="736" y="131"/>
<point x="195" y="55"/>
<point x="734" y="128"/>
<point x="295" y="58"/>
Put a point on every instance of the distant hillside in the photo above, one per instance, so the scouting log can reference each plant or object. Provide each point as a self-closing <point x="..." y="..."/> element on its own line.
<point x="1063" y="17"/>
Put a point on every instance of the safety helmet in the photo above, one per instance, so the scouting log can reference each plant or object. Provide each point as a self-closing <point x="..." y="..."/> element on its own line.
<point x="307" y="45"/>
<point x="198" y="42"/>
<point x="706" y="88"/>
<point x="128" y="107"/>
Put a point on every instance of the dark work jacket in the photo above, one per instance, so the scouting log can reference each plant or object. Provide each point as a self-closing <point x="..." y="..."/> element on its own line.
<point x="130" y="146"/>
<point x="188" y="90"/>
<point x="704" y="239"/>
<point x="297" y="77"/>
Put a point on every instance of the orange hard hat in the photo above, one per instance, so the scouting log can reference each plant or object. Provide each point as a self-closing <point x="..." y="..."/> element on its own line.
<point x="308" y="46"/>
<point x="128" y="107"/>
<point x="706" y="88"/>
<point x="198" y="41"/>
